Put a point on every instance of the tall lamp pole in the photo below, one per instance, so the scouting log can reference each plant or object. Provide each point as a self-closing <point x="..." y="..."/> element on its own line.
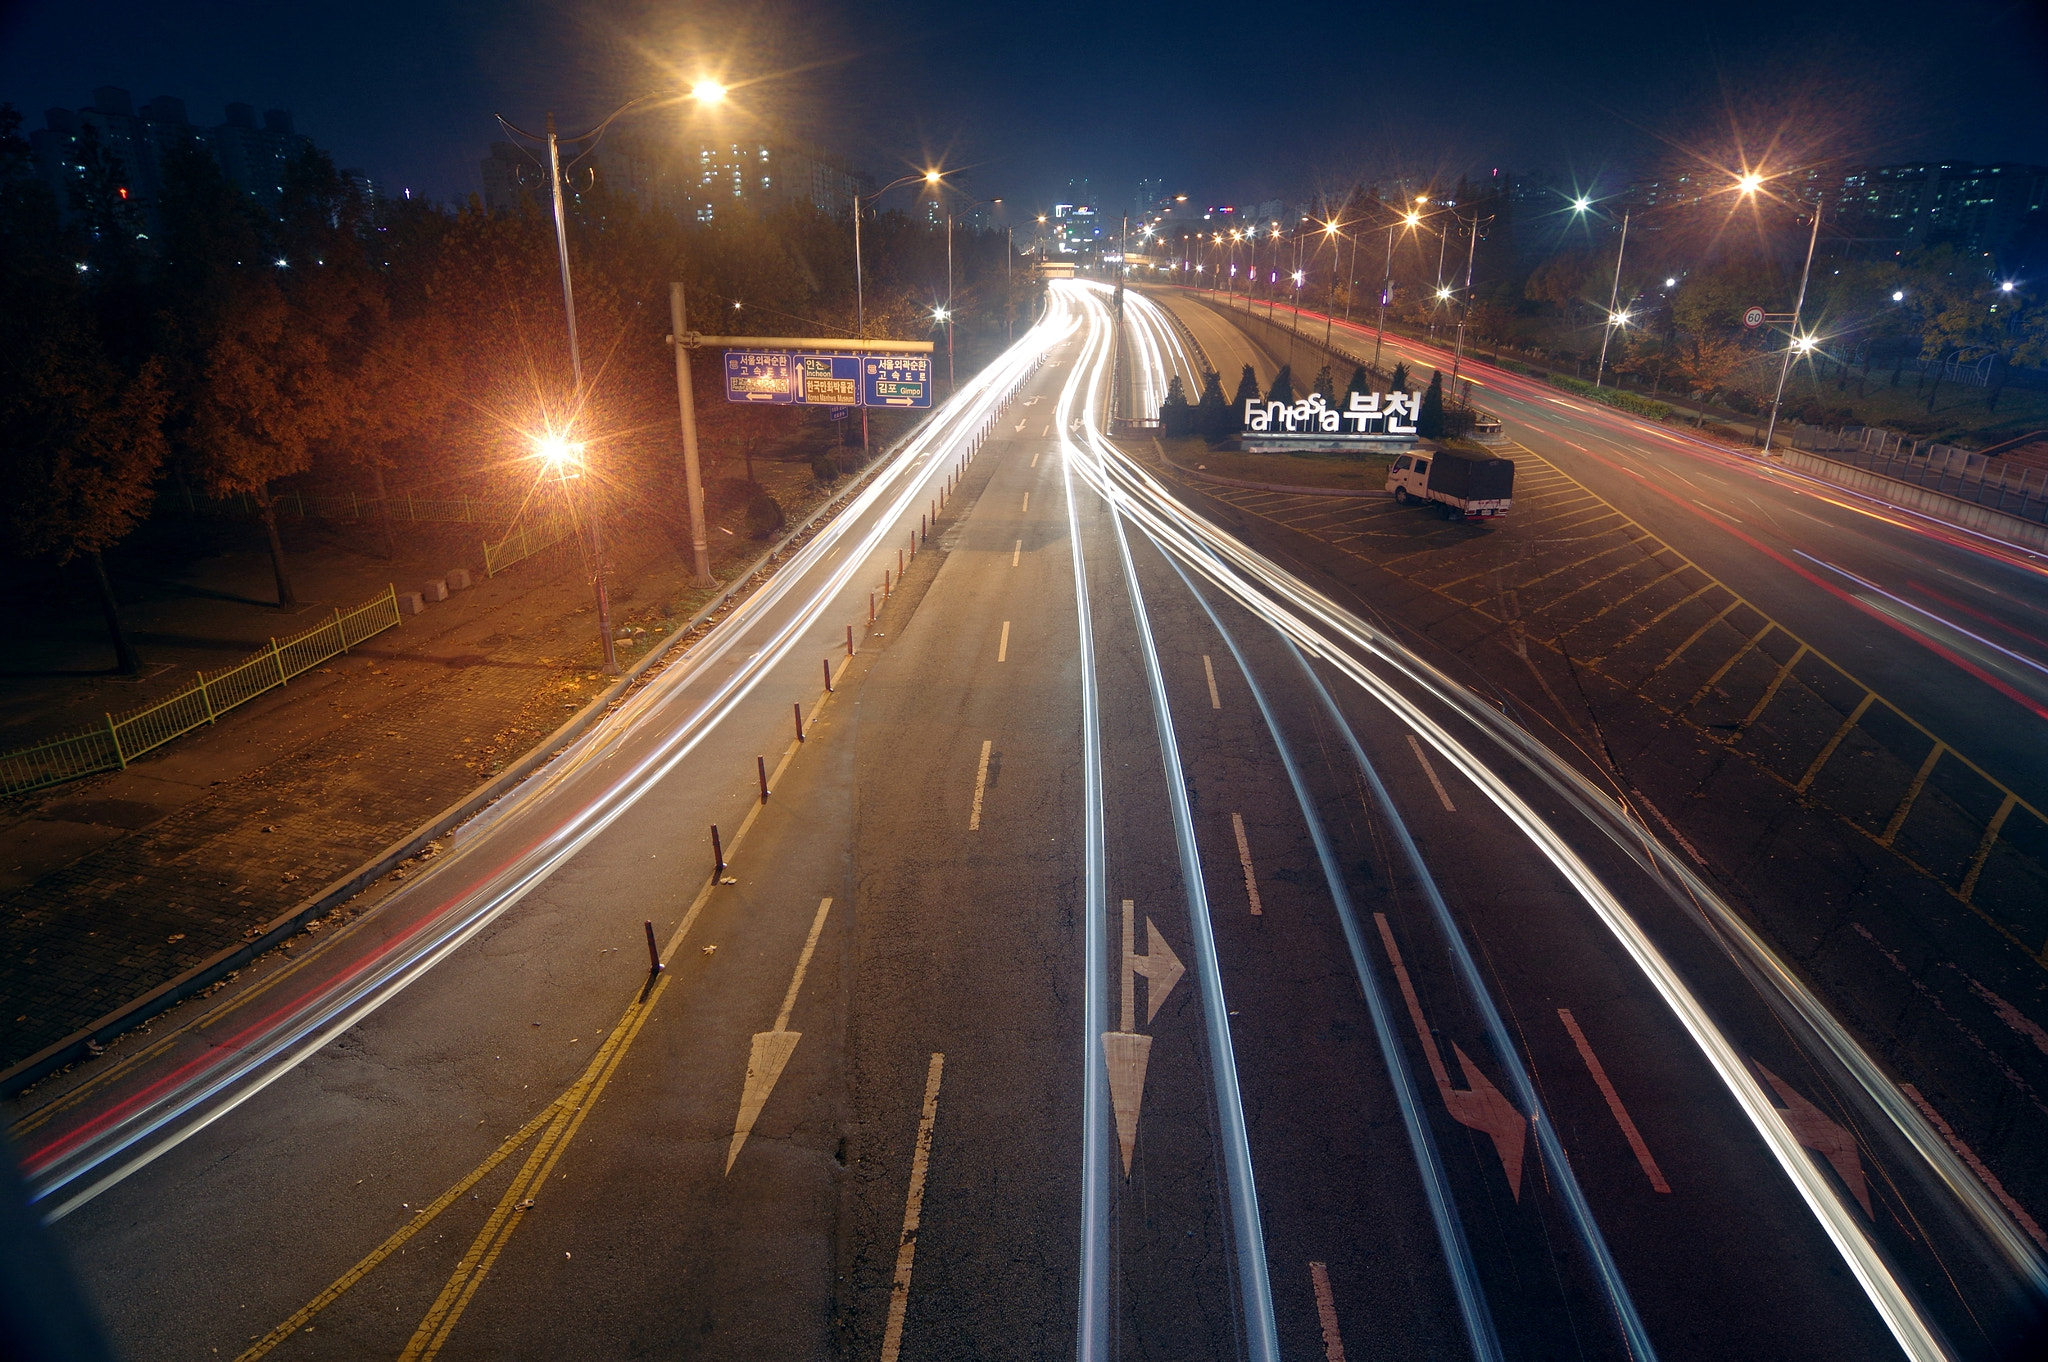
<point x="1465" y="303"/>
<point x="1613" y="301"/>
<point x="860" y="314"/>
<point x="1794" y="341"/>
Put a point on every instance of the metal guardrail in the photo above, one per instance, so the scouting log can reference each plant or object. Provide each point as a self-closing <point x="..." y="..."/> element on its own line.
<point x="110" y="746"/>
<point x="2019" y="492"/>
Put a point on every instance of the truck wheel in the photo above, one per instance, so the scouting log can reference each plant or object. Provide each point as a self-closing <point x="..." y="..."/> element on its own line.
<point x="1400" y="496"/>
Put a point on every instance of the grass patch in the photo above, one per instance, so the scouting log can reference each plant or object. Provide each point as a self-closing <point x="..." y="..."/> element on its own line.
<point x="1345" y="472"/>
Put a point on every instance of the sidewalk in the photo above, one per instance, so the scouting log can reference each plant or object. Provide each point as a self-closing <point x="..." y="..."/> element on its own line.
<point x="113" y="885"/>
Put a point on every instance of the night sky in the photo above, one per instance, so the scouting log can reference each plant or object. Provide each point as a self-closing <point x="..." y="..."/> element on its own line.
<point x="1221" y="102"/>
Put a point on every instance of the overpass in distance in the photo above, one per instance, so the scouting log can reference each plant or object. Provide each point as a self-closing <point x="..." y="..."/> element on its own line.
<point x="1195" y="922"/>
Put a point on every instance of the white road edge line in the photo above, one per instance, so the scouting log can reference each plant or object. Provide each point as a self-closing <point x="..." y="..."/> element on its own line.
<point x="1621" y="1116"/>
<point x="1244" y="856"/>
<point x="1209" y="671"/>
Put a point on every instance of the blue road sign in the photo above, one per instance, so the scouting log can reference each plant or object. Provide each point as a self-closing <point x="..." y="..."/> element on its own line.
<point x="760" y="376"/>
<point x="829" y="380"/>
<point x="896" y="381"/>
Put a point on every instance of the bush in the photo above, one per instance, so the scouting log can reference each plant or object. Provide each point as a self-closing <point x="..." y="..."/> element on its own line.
<point x="764" y="516"/>
<point x="730" y="496"/>
<point x="849" y="459"/>
<point x="824" y="468"/>
<point x="1629" y="402"/>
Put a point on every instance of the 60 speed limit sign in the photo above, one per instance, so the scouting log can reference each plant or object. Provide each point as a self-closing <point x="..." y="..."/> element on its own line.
<point x="1753" y="318"/>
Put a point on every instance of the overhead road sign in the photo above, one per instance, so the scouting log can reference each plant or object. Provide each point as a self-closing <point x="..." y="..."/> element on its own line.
<point x="846" y="343"/>
<point x="896" y="381"/>
<point x="760" y="376"/>
<point x="828" y="380"/>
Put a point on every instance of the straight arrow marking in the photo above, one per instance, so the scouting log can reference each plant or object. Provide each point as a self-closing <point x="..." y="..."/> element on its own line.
<point x="771" y="1049"/>
<point x="1813" y="1128"/>
<point x="1127" y="1052"/>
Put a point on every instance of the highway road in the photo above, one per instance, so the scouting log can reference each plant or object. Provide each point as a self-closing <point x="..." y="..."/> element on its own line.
<point x="1140" y="953"/>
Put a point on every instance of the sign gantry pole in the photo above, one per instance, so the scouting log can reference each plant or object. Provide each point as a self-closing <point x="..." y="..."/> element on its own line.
<point x="700" y="544"/>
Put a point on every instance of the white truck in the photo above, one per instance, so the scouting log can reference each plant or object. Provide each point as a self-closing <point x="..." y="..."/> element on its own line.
<point x="1461" y="485"/>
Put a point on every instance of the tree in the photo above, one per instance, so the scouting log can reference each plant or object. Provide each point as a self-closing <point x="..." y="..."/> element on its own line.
<point x="1283" y="385"/>
<point x="1429" y="423"/>
<point x="1325" y="384"/>
<point x="1175" y="415"/>
<point x="80" y="439"/>
<point x="1359" y="382"/>
<point x="1213" y="416"/>
<point x="1399" y="381"/>
<point x="1247" y="390"/>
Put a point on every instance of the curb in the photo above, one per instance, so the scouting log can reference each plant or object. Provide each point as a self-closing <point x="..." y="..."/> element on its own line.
<point x="170" y="993"/>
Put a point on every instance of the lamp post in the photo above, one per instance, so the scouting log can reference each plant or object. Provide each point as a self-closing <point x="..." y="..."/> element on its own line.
<point x="860" y="314"/>
<point x="1411" y="219"/>
<point x="1613" y="300"/>
<point x="705" y="92"/>
<point x="1465" y="303"/>
<point x="1795" y="341"/>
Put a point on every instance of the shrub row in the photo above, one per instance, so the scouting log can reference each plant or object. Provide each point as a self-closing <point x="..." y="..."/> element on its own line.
<point x="1641" y="406"/>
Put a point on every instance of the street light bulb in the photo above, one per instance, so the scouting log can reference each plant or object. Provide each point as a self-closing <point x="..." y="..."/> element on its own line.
<point x="939" y="314"/>
<point x="1444" y="294"/>
<point x="2005" y="287"/>
<point x="1422" y="198"/>
<point x="1580" y="205"/>
<point x="708" y="92"/>
<point x="1804" y="343"/>
<point x="931" y="177"/>
<point x="1670" y="283"/>
<point x="558" y="452"/>
<point x="1297" y="276"/>
<point x="1329" y="229"/>
<point x="1750" y="183"/>
<point x="1898" y="295"/>
<point x="1413" y="219"/>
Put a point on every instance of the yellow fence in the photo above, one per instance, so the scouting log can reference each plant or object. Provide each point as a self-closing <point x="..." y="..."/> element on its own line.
<point x="523" y="541"/>
<point x="123" y="737"/>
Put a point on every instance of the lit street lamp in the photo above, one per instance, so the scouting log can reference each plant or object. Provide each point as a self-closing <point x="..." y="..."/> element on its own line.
<point x="860" y="314"/>
<point x="708" y="92"/>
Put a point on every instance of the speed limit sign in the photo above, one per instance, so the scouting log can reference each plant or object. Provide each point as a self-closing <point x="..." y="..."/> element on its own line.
<point x="1753" y="318"/>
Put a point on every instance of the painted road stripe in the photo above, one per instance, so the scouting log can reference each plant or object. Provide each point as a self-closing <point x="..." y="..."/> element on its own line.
<point x="1034" y="458"/>
<point x="1430" y="771"/>
<point x="1621" y="1116"/>
<point x="1209" y="670"/>
<point x="769" y="1052"/>
<point x="1016" y="553"/>
<point x="1244" y="856"/>
<point x="980" y="786"/>
<point x="1027" y="501"/>
<point x="913" y="1210"/>
<point x="1003" y="644"/>
<point x="1326" y="1311"/>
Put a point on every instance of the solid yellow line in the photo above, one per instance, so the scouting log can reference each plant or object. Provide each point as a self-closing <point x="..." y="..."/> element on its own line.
<point x="469" y="1274"/>
<point x="980" y="786"/>
<point x="390" y="1246"/>
<point x="1991" y="831"/>
<point x="1898" y="820"/>
<point x="1855" y="716"/>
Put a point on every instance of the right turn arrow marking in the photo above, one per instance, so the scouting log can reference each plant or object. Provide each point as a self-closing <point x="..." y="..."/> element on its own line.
<point x="1125" y="1050"/>
<point x="772" y="1048"/>
<point x="1480" y="1105"/>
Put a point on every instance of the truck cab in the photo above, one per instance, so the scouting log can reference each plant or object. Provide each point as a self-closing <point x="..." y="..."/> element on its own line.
<point x="1408" y="480"/>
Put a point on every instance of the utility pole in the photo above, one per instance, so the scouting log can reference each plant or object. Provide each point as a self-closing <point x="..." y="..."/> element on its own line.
<point x="1792" y="341"/>
<point x="860" y="315"/>
<point x="700" y="545"/>
<point x="949" y="304"/>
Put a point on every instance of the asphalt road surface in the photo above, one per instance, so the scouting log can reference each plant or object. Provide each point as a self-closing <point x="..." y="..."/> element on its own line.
<point x="1138" y="956"/>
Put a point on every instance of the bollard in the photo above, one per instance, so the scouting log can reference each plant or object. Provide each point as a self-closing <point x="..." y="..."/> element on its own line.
<point x="717" y="851"/>
<point x="920" y="526"/>
<point x="849" y="640"/>
<point x="761" y="766"/>
<point x="828" y="676"/>
<point x="885" y="584"/>
<point x="653" y="952"/>
<point x="899" y="565"/>
<point x="871" y="607"/>
<point x="799" y="708"/>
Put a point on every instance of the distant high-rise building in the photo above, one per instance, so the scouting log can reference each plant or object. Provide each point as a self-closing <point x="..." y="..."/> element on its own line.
<point x="1979" y="209"/>
<point x="105" y="162"/>
<point x="693" y="182"/>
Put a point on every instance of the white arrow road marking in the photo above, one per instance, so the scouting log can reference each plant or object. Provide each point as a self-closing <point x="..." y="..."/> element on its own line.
<point x="772" y="1048"/>
<point x="913" y="1211"/>
<point x="1480" y="1105"/>
<point x="1813" y="1128"/>
<point x="1020" y="425"/>
<point x="1126" y="1051"/>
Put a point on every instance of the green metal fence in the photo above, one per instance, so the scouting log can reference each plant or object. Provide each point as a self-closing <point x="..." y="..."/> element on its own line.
<point x="121" y="738"/>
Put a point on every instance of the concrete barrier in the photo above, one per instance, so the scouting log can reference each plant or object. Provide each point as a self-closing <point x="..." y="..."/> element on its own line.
<point x="436" y="590"/>
<point x="410" y="603"/>
<point x="458" y="579"/>
<point x="1955" y="511"/>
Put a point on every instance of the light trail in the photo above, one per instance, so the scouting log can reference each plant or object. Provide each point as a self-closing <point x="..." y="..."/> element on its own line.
<point x="1325" y="630"/>
<point x="78" y="1163"/>
<point x="1480" y="1333"/>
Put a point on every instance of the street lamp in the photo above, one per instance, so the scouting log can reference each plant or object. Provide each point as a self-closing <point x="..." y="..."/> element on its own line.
<point x="860" y="313"/>
<point x="711" y="93"/>
<point x="1793" y="341"/>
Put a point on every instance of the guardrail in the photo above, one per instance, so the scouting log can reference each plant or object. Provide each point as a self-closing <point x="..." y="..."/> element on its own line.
<point x="2018" y="492"/>
<point x="110" y="746"/>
